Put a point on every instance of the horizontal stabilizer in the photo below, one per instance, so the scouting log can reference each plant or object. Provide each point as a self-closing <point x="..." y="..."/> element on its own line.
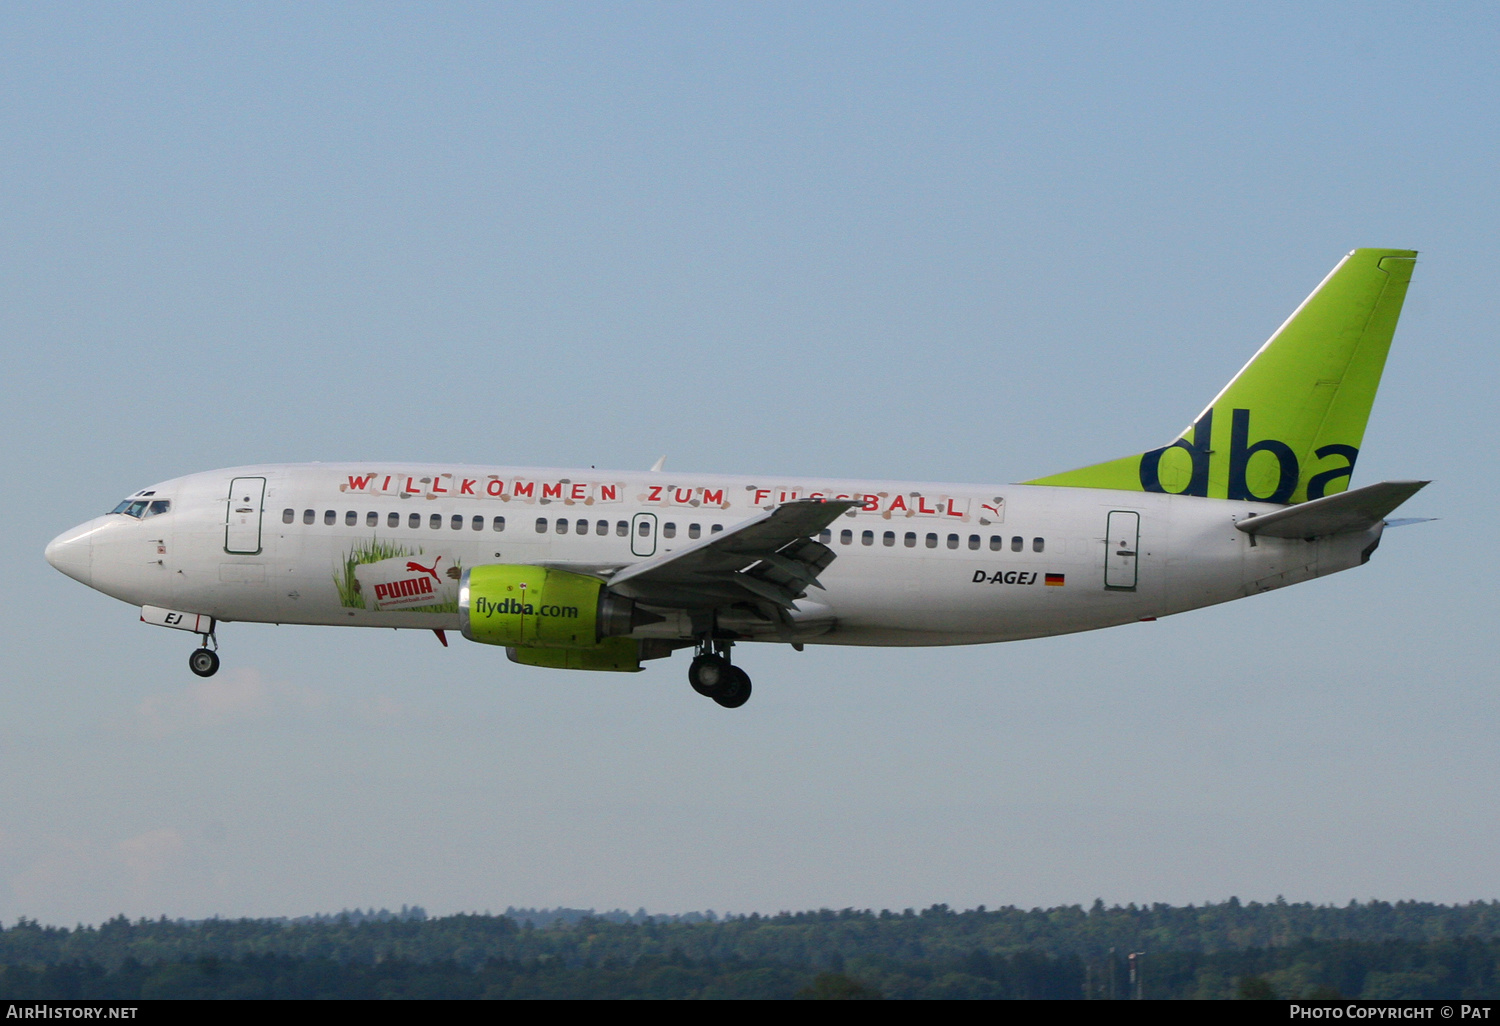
<point x="1358" y="510"/>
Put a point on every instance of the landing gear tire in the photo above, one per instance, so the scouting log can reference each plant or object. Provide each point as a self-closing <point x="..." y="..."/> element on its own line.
<point x="204" y="662"/>
<point x="734" y="691"/>
<point x="707" y="675"/>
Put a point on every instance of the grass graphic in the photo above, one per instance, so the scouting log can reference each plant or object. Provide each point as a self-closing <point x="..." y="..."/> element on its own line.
<point x="373" y="551"/>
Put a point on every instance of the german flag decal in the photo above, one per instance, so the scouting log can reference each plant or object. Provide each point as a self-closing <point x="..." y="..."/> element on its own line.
<point x="1054" y="580"/>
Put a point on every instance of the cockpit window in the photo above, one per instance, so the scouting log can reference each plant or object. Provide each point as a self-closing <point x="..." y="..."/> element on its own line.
<point x="143" y="508"/>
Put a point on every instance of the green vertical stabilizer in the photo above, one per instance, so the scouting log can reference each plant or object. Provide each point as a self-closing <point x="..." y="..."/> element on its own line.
<point x="1289" y="426"/>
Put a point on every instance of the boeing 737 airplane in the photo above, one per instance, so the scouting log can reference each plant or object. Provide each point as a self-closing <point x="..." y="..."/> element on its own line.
<point x="602" y="570"/>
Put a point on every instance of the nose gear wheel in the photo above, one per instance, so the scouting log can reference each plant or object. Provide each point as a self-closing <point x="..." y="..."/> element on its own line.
<point x="204" y="662"/>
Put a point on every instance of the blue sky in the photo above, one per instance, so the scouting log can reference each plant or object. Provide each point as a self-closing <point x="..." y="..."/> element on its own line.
<point x="958" y="242"/>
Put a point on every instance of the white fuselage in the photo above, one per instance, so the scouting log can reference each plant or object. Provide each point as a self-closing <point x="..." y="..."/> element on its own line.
<point x="921" y="563"/>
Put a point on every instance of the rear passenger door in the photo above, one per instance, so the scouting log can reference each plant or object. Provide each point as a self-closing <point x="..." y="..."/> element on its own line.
<point x="1122" y="544"/>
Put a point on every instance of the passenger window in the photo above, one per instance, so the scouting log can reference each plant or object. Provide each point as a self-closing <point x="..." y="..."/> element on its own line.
<point x="329" y="516"/>
<point x="307" y="516"/>
<point x="393" y="520"/>
<point x="953" y="541"/>
<point x="477" y="523"/>
<point x="825" y="536"/>
<point x="562" y="525"/>
<point x="974" y="541"/>
<point x="996" y="543"/>
<point x="414" y="521"/>
<point x="716" y="529"/>
<point x="435" y="521"/>
<point x="932" y="541"/>
<point x="669" y="530"/>
<point x="288" y="515"/>
<point x="541" y="525"/>
<point x="695" y="530"/>
<point x="846" y="537"/>
<point x="911" y="539"/>
<point x="889" y="539"/>
<point x="351" y="518"/>
<point x="499" y="524"/>
<point x="622" y="528"/>
<point x="645" y="529"/>
<point x="1037" y="545"/>
<point x="868" y="538"/>
<point x="1017" y="544"/>
<point x="456" y="522"/>
<point x="372" y="518"/>
<point x="601" y="528"/>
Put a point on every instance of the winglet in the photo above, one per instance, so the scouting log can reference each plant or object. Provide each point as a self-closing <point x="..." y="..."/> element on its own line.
<point x="656" y="467"/>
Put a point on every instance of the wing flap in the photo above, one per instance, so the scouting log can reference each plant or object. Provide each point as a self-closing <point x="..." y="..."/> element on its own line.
<point x="769" y="560"/>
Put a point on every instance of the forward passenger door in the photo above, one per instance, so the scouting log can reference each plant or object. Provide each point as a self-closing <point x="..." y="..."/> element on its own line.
<point x="242" y="516"/>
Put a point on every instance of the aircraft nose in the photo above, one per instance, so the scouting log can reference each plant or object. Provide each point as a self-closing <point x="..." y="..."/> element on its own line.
<point x="72" y="552"/>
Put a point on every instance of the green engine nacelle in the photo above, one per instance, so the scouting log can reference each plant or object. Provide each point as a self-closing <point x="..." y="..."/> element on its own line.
<point x="550" y="617"/>
<point x="611" y="654"/>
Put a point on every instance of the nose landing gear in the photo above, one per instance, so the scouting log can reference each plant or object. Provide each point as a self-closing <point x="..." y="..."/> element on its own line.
<point x="712" y="675"/>
<point x="204" y="661"/>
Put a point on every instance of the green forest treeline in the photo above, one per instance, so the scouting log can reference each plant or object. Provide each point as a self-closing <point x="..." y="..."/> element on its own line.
<point x="1226" y="950"/>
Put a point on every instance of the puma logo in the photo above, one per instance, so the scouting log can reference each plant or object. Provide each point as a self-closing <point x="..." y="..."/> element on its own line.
<point x="430" y="571"/>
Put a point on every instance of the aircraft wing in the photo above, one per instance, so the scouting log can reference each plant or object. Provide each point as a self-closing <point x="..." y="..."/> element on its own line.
<point x="768" y="561"/>
<point x="1356" y="510"/>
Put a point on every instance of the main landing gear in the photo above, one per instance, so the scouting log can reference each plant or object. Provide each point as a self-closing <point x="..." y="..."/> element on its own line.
<point x="712" y="675"/>
<point x="204" y="661"/>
